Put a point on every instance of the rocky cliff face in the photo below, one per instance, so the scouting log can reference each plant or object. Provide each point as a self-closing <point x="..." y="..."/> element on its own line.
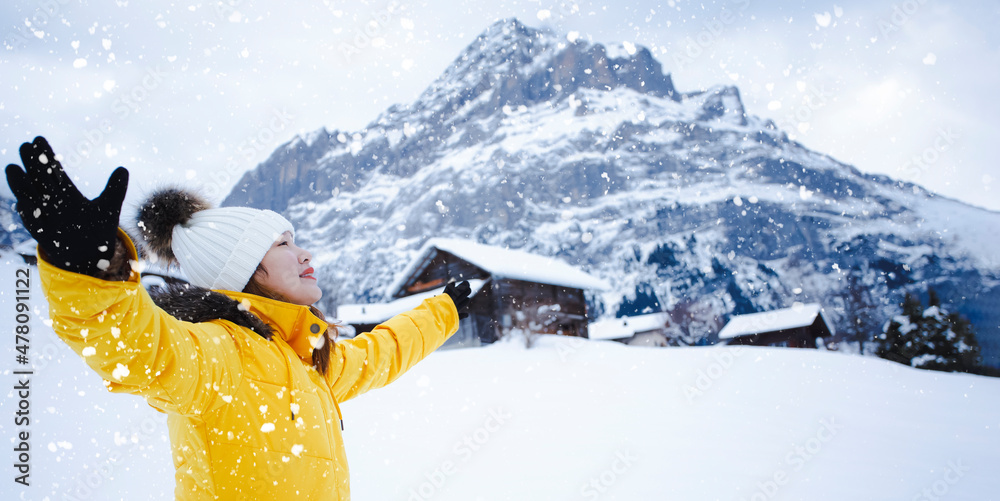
<point x="508" y="67"/>
<point x="681" y="200"/>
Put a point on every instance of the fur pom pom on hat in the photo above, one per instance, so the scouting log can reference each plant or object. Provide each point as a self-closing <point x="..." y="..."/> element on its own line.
<point x="217" y="248"/>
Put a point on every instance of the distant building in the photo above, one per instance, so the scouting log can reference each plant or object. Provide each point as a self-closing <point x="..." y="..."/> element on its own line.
<point x="157" y="275"/>
<point x="512" y="290"/>
<point x="640" y="330"/>
<point x="795" y="327"/>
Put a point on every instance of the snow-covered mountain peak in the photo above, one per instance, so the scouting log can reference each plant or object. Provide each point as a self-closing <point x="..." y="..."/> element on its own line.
<point x="721" y="102"/>
<point x="506" y="45"/>
<point x="682" y="201"/>
<point x="511" y="64"/>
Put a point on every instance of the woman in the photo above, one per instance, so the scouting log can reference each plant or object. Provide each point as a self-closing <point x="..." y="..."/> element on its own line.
<point x="243" y="365"/>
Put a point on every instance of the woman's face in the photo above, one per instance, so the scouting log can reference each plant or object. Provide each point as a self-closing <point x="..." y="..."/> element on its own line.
<point x="288" y="272"/>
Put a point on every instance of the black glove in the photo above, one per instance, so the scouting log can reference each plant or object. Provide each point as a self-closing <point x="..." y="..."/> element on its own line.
<point x="459" y="294"/>
<point x="76" y="234"/>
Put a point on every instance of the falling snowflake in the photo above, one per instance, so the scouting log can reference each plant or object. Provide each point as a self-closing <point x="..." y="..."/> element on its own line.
<point x="120" y="372"/>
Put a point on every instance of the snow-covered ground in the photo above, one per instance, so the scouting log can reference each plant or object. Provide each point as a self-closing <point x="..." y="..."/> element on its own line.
<point x="565" y="419"/>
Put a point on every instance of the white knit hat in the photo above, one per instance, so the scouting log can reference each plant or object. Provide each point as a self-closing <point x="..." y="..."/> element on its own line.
<point x="217" y="248"/>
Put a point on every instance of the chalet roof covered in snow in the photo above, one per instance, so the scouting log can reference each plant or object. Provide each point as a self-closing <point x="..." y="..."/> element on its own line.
<point x="625" y="327"/>
<point x="503" y="263"/>
<point x="799" y="315"/>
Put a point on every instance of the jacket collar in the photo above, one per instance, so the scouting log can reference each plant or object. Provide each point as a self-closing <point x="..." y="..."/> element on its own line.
<point x="293" y="323"/>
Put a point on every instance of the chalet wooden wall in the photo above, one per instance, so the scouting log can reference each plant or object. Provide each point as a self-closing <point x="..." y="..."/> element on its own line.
<point x="540" y="308"/>
<point x="503" y="304"/>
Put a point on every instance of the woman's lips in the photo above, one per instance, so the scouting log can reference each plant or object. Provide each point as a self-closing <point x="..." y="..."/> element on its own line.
<point x="308" y="274"/>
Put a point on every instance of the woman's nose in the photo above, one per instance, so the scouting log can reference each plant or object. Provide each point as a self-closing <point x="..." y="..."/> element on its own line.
<point x="306" y="256"/>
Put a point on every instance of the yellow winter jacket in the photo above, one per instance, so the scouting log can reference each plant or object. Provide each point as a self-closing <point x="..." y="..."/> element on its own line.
<point x="249" y="418"/>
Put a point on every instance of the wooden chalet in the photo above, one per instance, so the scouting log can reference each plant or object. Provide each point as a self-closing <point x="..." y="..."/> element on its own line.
<point x="511" y="290"/>
<point x="795" y="327"/>
<point x="640" y="330"/>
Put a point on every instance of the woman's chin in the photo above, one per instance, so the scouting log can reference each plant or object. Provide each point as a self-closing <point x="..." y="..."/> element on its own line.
<point x="314" y="295"/>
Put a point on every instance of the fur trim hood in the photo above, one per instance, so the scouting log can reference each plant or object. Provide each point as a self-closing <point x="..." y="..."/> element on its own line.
<point x="191" y="303"/>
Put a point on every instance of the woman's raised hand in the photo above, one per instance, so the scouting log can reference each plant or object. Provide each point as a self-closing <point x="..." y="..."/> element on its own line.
<point x="459" y="294"/>
<point x="75" y="233"/>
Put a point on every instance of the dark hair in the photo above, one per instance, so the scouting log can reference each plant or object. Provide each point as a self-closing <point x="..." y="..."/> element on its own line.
<point x="321" y="355"/>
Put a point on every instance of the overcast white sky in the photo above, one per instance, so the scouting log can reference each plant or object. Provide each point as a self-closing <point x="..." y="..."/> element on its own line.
<point x="177" y="91"/>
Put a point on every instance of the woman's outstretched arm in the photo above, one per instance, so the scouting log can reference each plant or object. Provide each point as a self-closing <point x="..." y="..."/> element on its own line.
<point x="377" y="358"/>
<point x="97" y="305"/>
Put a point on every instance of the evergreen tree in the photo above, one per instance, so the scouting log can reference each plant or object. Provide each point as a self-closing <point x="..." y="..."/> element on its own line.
<point x="897" y="343"/>
<point x="930" y="338"/>
<point x="863" y="317"/>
